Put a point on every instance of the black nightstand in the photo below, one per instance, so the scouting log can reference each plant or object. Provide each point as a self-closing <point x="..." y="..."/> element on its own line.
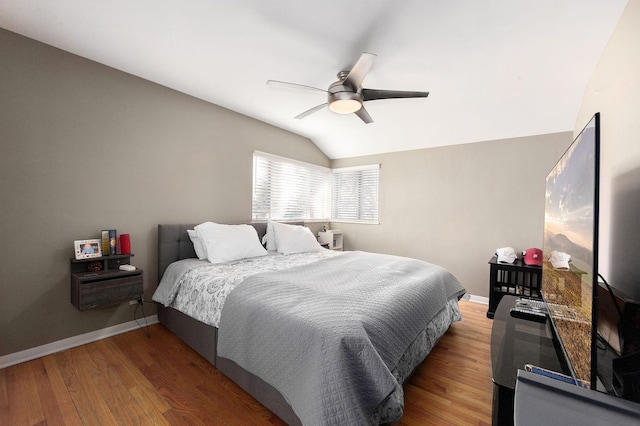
<point x="107" y="286"/>
<point x="517" y="279"/>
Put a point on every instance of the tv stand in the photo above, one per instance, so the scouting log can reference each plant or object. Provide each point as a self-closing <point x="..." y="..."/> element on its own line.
<point x="516" y="342"/>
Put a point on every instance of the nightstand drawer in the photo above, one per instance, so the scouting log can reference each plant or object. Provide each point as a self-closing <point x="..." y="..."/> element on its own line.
<point x="88" y="292"/>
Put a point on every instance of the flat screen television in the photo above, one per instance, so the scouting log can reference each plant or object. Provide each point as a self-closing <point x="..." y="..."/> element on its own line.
<point x="570" y="252"/>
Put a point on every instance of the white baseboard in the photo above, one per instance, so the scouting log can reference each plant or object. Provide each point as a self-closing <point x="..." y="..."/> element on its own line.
<point x="478" y="299"/>
<point x="72" y="342"/>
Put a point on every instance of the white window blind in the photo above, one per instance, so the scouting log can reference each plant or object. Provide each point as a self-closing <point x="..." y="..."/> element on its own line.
<point x="355" y="194"/>
<point x="285" y="189"/>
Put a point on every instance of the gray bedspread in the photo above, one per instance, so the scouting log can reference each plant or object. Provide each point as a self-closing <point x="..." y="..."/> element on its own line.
<point x="327" y="335"/>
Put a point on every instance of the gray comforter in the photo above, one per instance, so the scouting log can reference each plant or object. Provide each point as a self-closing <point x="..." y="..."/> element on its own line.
<point x="327" y="335"/>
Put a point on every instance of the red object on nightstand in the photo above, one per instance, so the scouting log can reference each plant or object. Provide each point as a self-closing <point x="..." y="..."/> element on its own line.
<point x="125" y="244"/>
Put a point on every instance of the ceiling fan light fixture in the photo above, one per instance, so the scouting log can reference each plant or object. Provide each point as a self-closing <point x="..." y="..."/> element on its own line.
<point x="347" y="96"/>
<point x="345" y="106"/>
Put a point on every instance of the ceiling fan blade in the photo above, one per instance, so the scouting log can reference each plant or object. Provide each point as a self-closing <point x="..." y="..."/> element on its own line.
<point x="360" y="70"/>
<point x="293" y="85"/>
<point x="310" y="111"/>
<point x="373" y="94"/>
<point x="364" y="115"/>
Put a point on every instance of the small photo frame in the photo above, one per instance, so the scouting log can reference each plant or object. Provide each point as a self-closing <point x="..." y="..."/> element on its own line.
<point x="86" y="249"/>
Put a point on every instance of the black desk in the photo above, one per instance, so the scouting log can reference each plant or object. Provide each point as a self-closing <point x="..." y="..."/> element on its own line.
<point x="514" y="343"/>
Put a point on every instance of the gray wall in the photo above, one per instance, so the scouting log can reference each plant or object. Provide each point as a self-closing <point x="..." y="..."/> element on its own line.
<point x="454" y="206"/>
<point x="84" y="147"/>
<point x="614" y="91"/>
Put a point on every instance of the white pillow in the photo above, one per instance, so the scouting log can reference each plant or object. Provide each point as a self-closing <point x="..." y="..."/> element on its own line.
<point x="224" y="243"/>
<point x="294" y="239"/>
<point x="197" y="244"/>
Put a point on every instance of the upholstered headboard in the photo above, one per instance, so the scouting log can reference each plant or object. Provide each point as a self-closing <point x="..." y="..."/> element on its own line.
<point x="174" y="243"/>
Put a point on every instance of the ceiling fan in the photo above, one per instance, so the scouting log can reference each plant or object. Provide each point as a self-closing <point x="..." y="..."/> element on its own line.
<point x="346" y="95"/>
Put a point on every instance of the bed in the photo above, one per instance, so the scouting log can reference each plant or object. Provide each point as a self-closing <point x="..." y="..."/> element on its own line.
<point x="369" y="359"/>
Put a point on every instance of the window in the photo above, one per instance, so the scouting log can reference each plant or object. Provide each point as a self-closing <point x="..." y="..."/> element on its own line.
<point x="285" y="189"/>
<point x="355" y="194"/>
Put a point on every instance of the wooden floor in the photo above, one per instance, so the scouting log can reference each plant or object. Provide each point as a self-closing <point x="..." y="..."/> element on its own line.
<point x="132" y="379"/>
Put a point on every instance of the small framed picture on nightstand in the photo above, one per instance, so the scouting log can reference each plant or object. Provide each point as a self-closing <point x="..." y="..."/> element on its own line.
<point x="86" y="249"/>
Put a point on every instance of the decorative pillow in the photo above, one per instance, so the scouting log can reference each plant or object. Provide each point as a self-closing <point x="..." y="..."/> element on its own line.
<point x="294" y="239"/>
<point x="197" y="244"/>
<point x="224" y="243"/>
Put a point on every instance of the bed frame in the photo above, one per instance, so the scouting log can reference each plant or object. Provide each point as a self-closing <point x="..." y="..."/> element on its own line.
<point x="173" y="245"/>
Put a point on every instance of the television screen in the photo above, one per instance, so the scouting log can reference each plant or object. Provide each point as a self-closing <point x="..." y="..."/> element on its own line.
<point x="570" y="251"/>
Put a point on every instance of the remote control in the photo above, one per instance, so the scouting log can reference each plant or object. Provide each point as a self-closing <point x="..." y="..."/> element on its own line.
<point x="528" y="314"/>
<point x="531" y="304"/>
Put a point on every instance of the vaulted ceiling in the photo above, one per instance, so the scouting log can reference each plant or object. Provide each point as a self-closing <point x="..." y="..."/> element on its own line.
<point x="495" y="69"/>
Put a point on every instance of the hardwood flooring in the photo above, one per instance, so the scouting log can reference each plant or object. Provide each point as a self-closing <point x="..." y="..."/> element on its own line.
<point x="132" y="379"/>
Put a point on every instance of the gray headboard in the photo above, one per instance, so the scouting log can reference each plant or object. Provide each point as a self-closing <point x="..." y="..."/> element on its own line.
<point x="174" y="243"/>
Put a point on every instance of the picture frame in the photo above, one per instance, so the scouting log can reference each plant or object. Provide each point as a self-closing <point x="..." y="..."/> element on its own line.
<point x="87" y="249"/>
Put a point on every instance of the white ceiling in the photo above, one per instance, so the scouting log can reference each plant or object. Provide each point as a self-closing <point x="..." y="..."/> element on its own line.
<point x="495" y="69"/>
